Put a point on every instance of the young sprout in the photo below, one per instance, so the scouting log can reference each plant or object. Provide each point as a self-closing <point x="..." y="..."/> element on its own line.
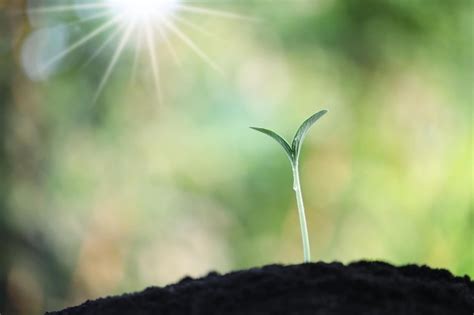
<point x="293" y="154"/>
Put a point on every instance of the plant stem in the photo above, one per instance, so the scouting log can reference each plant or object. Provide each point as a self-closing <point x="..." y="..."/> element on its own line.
<point x="299" y="201"/>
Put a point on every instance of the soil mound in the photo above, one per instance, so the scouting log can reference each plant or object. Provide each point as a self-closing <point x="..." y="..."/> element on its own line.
<point x="368" y="288"/>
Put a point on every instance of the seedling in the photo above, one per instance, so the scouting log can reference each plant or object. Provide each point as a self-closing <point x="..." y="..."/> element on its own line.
<point x="293" y="154"/>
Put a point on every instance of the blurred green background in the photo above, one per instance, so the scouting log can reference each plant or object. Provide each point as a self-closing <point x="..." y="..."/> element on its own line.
<point x="105" y="196"/>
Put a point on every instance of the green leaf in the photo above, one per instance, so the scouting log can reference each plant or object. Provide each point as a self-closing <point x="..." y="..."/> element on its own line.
<point x="302" y="131"/>
<point x="279" y="139"/>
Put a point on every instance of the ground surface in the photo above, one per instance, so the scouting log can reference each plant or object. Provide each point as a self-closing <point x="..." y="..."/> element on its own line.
<point x="368" y="288"/>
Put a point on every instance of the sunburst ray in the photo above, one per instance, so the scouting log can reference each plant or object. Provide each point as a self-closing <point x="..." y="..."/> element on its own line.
<point x="102" y="47"/>
<point x="213" y="12"/>
<point x="70" y="7"/>
<point x="191" y="44"/>
<point x="102" y="28"/>
<point x="154" y="61"/>
<point x="192" y="25"/>
<point x="113" y="61"/>
<point x="164" y="36"/>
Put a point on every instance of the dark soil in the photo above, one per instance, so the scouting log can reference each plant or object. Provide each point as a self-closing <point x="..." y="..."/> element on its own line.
<point x="368" y="288"/>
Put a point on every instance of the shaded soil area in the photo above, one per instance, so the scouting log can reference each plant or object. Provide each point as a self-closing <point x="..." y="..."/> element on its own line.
<point x="367" y="288"/>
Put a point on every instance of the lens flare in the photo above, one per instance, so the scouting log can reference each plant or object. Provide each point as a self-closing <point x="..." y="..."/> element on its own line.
<point x="138" y="24"/>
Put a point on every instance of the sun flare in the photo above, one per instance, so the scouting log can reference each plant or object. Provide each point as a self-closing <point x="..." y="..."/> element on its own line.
<point x="143" y="25"/>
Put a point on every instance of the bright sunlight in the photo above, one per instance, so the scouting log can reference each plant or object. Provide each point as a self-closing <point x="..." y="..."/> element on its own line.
<point x="141" y="24"/>
<point x="143" y="11"/>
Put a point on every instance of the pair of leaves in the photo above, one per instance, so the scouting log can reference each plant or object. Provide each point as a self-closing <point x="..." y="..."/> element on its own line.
<point x="293" y="151"/>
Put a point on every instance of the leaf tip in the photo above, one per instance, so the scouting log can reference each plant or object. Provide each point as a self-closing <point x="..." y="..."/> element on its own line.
<point x="256" y="128"/>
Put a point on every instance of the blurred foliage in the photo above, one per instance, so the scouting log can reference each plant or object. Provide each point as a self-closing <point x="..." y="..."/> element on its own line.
<point x="103" y="197"/>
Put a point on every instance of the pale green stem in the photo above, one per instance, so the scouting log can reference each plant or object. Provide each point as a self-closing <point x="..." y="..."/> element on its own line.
<point x="299" y="201"/>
